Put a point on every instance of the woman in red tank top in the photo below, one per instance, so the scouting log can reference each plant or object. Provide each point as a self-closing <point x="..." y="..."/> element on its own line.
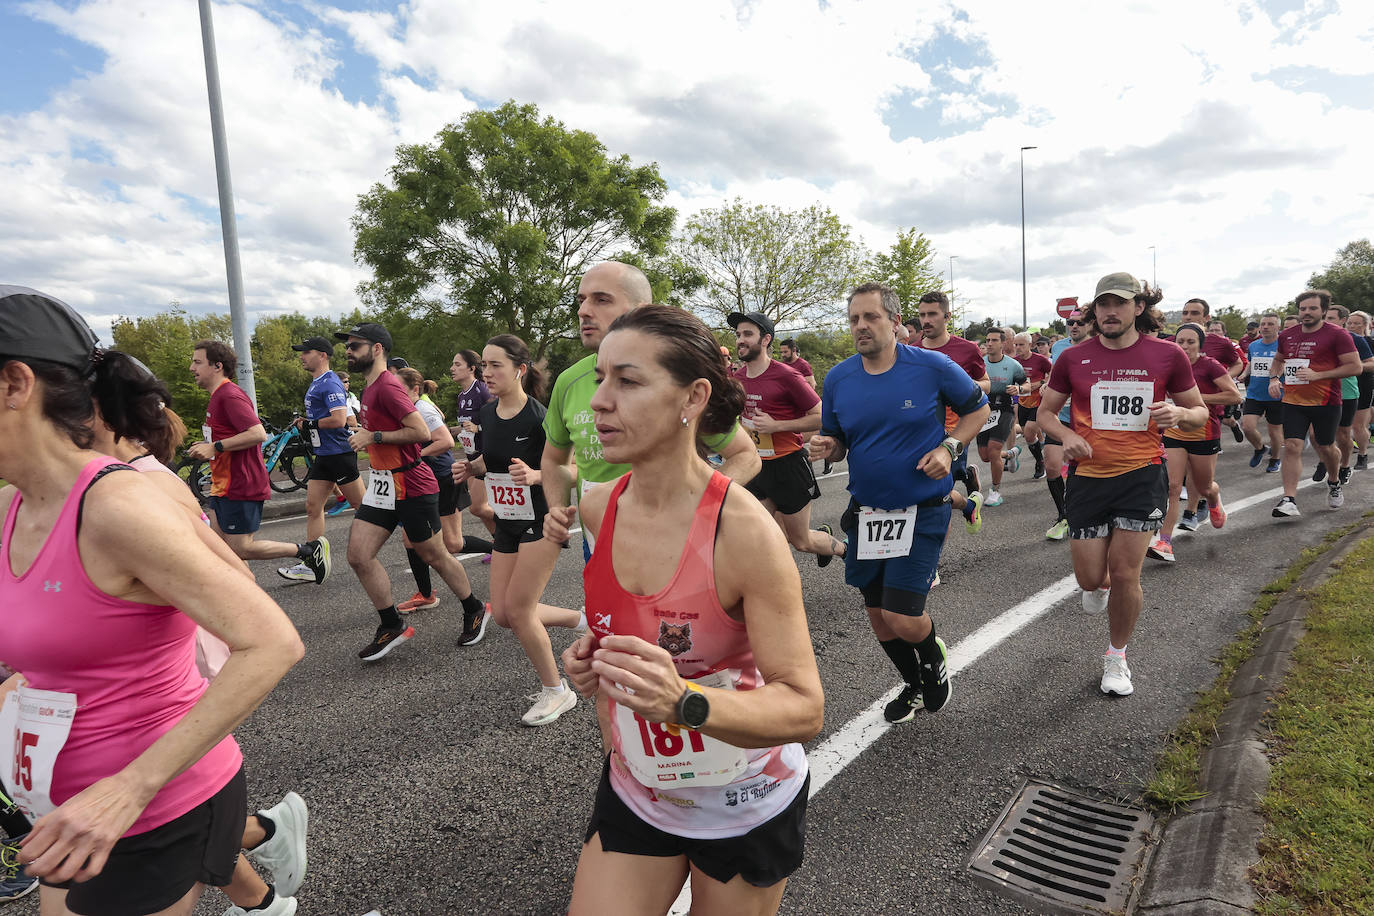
<point x="695" y="606"/>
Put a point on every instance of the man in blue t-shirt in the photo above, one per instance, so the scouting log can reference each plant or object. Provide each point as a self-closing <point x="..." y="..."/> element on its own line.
<point x="885" y="410"/>
<point x="1258" y="400"/>
<point x="325" y="426"/>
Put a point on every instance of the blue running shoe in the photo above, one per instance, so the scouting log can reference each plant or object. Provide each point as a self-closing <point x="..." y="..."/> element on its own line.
<point x="338" y="508"/>
<point x="15" y="882"/>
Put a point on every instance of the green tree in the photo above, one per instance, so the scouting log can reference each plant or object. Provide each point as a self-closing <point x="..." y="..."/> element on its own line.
<point x="1234" y="320"/>
<point x="1349" y="277"/>
<point x="908" y="267"/>
<point x="791" y="265"/>
<point x="498" y="219"/>
<point x="164" y="342"/>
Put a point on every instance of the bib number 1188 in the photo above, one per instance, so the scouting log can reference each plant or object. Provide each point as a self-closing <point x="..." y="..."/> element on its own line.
<point x="1122" y="405"/>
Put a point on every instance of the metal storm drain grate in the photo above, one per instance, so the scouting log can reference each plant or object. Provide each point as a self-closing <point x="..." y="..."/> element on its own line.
<point x="1065" y="852"/>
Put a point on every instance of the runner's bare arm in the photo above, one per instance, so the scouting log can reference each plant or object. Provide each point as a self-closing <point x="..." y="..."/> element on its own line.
<point x="181" y="494"/>
<point x="337" y="419"/>
<point x="984" y="383"/>
<point x="166" y="564"/>
<point x="740" y="459"/>
<point x="556" y="463"/>
<point x="757" y="579"/>
<point x="808" y="422"/>
<point x="250" y="437"/>
<point x="1228" y="393"/>
<point x="825" y="448"/>
<point x="441" y="440"/>
<point x="936" y="463"/>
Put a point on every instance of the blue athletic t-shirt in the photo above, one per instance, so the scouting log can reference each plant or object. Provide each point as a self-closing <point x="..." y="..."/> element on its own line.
<point x="1261" y="358"/>
<point x="1058" y="347"/>
<point x="325" y="395"/>
<point x="889" y="421"/>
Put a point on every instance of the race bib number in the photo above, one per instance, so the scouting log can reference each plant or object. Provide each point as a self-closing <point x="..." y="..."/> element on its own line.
<point x="1260" y="365"/>
<point x="468" y="438"/>
<point x="1122" y="405"/>
<point x="762" y="441"/>
<point x="1290" y="371"/>
<point x="993" y="418"/>
<point x="205" y="433"/>
<point x="381" y="490"/>
<point x="314" y="437"/>
<point x="885" y="534"/>
<point x="510" y="500"/>
<point x="36" y="724"/>
<point x="661" y="754"/>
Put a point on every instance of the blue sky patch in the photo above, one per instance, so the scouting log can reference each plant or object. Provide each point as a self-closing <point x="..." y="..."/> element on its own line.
<point x="38" y="60"/>
<point x="926" y="115"/>
<point x="1340" y="88"/>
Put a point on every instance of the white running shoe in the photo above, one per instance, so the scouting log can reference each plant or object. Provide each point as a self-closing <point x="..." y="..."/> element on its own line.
<point x="1335" y="497"/>
<point x="1287" y="508"/>
<point x="994" y="498"/>
<point x="549" y="705"/>
<point x="284" y="855"/>
<point x="1116" y="677"/>
<point x="1095" y="602"/>
<point x="298" y="573"/>
<point x="280" y="906"/>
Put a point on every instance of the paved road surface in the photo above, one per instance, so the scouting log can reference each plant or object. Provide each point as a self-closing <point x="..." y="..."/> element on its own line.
<point x="427" y="795"/>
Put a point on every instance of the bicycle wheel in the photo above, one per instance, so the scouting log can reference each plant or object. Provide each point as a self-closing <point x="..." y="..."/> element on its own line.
<point x="294" y="468"/>
<point x="196" y="474"/>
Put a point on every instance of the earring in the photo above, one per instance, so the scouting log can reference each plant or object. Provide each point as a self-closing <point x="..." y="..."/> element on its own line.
<point x="14" y="407"/>
<point x="684" y="419"/>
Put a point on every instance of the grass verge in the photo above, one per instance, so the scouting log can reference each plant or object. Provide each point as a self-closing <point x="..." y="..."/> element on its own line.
<point x="1175" y="781"/>
<point x="1317" y="851"/>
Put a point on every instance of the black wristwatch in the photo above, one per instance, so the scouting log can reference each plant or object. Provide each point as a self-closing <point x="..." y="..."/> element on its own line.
<point x="692" y="708"/>
<point x="219" y="446"/>
<point x="377" y="438"/>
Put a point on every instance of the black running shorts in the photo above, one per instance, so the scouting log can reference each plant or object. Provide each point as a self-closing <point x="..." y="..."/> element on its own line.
<point x="449" y="494"/>
<point x="511" y="533"/>
<point x="998" y="432"/>
<point x="1322" y="419"/>
<point x="1366" y="398"/>
<point x="418" y="517"/>
<point x="764" y="856"/>
<point x="787" y="481"/>
<point x="1272" y="411"/>
<point x="148" y="872"/>
<point x="341" y="468"/>
<point x="1025" y="414"/>
<point x="1348" y="408"/>
<point x="1203" y="447"/>
<point x="1134" y="501"/>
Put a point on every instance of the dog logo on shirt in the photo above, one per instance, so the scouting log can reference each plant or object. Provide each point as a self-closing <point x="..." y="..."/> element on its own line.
<point x="677" y="639"/>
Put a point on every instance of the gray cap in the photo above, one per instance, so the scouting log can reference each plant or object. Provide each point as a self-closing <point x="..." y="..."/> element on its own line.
<point x="1118" y="284"/>
<point x="38" y="326"/>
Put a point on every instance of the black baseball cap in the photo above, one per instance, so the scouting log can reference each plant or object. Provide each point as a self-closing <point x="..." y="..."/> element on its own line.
<point x="369" y="331"/>
<point x="38" y="326"/>
<point x="760" y="320"/>
<point x="314" y="343"/>
<point x="397" y="362"/>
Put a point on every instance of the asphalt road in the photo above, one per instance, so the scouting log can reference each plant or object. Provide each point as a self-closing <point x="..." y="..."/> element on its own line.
<point x="428" y="796"/>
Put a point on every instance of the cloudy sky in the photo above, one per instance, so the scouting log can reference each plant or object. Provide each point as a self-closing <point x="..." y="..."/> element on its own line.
<point x="1233" y="136"/>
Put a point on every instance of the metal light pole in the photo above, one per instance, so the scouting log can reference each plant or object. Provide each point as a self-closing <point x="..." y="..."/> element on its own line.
<point x="228" y="222"/>
<point x="1154" y="266"/>
<point x="951" y="280"/>
<point x="1023" y="233"/>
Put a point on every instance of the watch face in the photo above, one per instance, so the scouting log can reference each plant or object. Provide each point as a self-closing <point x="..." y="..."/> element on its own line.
<point x="695" y="709"/>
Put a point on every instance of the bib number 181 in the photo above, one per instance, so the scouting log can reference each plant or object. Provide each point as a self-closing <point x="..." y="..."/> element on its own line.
<point x="666" y="740"/>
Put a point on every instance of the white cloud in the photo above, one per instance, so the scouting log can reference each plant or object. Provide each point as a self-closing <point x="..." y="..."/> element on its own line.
<point x="1154" y="121"/>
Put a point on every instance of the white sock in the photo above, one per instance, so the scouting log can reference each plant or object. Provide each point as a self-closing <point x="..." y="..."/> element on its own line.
<point x="559" y="689"/>
<point x="1113" y="650"/>
<point x="581" y="619"/>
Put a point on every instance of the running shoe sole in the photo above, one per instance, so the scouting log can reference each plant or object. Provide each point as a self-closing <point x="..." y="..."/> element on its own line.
<point x="1157" y="554"/>
<point x="569" y="701"/>
<point x="1279" y="511"/>
<point x="383" y="650"/>
<point x="912" y="706"/>
<point x="286" y="572"/>
<point x="973" y="522"/>
<point x="413" y="605"/>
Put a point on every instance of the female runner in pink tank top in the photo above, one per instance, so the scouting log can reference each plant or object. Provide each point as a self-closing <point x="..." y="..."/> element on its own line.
<point x="697" y="620"/>
<point x="120" y="751"/>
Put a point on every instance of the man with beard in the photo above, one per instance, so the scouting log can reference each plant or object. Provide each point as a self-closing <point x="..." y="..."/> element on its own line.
<point x="779" y="408"/>
<point x="401" y="490"/>
<point x="1037" y="369"/>
<point x="1312" y="359"/>
<point x="933" y="315"/>
<point x="1118" y="490"/>
<point x="885" y="410"/>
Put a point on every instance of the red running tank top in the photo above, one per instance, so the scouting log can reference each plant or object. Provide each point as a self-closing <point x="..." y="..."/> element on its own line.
<point x="678" y="780"/>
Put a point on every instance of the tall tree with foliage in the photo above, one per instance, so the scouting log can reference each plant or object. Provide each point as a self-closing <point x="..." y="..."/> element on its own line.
<point x="908" y="268"/>
<point x="498" y="219"/>
<point x="1350" y="276"/>
<point x="791" y="265"/>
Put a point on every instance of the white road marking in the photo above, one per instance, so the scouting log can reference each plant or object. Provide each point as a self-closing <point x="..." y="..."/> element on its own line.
<point x="858" y="734"/>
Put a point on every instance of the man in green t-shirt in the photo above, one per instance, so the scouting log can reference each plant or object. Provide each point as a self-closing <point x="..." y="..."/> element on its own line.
<point x="608" y="290"/>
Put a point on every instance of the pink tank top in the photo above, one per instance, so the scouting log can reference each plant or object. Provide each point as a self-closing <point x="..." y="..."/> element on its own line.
<point x="661" y="772"/>
<point x="131" y="667"/>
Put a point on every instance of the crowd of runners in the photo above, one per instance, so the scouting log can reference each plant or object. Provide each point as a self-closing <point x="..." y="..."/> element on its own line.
<point x="688" y="469"/>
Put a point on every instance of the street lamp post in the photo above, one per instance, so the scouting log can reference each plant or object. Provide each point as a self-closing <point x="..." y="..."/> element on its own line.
<point x="951" y="280"/>
<point x="1154" y="266"/>
<point x="1023" y="234"/>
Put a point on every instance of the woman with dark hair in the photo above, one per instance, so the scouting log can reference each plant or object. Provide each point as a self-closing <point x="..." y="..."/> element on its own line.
<point x="466" y="370"/>
<point x="522" y="559"/>
<point x="99" y="626"/>
<point x="699" y="652"/>
<point x="1194" y="451"/>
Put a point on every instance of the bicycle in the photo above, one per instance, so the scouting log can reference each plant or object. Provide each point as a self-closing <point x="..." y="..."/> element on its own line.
<point x="286" y="449"/>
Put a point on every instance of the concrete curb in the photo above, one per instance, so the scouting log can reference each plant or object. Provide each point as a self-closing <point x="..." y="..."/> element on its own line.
<point x="1204" y="857"/>
<point x="284" y="504"/>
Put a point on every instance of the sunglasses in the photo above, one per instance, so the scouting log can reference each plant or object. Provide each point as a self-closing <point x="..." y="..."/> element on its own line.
<point x="1076" y="324"/>
<point x="356" y="345"/>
